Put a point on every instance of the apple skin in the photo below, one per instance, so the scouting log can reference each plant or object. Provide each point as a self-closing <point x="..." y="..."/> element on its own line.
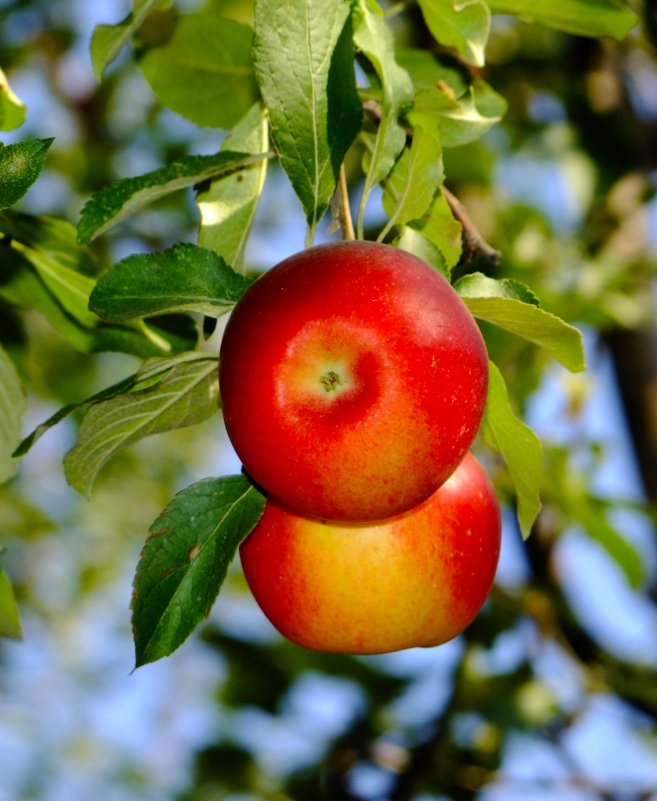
<point x="417" y="579"/>
<point x="353" y="380"/>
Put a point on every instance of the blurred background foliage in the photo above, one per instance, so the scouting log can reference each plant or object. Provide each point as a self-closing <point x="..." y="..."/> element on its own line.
<point x="552" y="692"/>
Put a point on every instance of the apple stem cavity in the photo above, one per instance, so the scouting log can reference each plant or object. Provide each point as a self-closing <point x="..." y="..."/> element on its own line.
<point x="330" y="381"/>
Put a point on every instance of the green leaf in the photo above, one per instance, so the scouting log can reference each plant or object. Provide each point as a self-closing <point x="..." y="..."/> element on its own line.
<point x="458" y="121"/>
<point x="65" y="411"/>
<point x="414" y="180"/>
<point x="413" y="241"/>
<point x="374" y="38"/>
<point x="107" y="41"/>
<point x="151" y="371"/>
<point x="72" y="289"/>
<point x="118" y="201"/>
<point x="12" y="407"/>
<point x="581" y="17"/>
<point x="53" y="237"/>
<point x="185" y="561"/>
<point x="478" y="285"/>
<point x="12" y="111"/>
<point x="205" y="71"/>
<point x="518" y="444"/>
<point x="443" y="230"/>
<point x="563" y="341"/>
<point x="20" y="165"/>
<point x="570" y="487"/>
<point x="10" y="625"/>
<point x="461" y="24"/>
<point x="188" y="394"/>
<point x="50" y="246"/>
<point x="590" y="514"/>
<point x="21" y="285"/>
<point x="229" y="204"/>
<point x="185" y="278"/>
<point x="428" y="70"/>
<point x="304" y="64"/>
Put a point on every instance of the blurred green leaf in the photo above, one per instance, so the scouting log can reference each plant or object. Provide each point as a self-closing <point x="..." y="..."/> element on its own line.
<point x="188" y="394"/>
<point x="185" y="560"/>
<point x="20" y="165"/>
<point x="54" y="237"/>
<point x="374" y="38"/>
<point x="498" y="303"/>
<point x="228" y="205"/>
<point x="185" y="278"/>
<point x="12" y="407"/>
<point x="461" y="25"/>
<point x="10" y="625"/>
<point x="581" y="17"/>
<point x="22" y="286"/>
<point x="305" y="68"/>
<point x="107" y="41"/>
<point x="118" y="201"/>
<point x="520" y="447"/>
<point x="72" y="289"/>
<point x="454" y="120"/>
<point x="570" y="489"/>
<point x="427" y="70"/>
<point x="12" y="110"/>
<point x="205" y="71"/>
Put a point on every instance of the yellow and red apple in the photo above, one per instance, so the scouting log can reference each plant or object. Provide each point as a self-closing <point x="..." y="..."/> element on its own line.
<point x="417" y="579"/>
<point x="353" y="380"/>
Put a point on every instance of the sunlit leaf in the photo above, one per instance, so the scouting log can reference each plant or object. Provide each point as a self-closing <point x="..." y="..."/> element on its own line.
<point x="187" y="395"/>
<point x="520" y="447"/>
<point x="118" y="201"/>
<point x="563" y="341"/>
<point x="305" y="68"/>
<point x="228" y="205"/>
<point x="20" y="165"/>
<point x="581" y="17"/>
<point x="185" y="561"/>
<point x="185" y="278"/>
<point x="12" y="110"/>
<point x="461" y="24"/>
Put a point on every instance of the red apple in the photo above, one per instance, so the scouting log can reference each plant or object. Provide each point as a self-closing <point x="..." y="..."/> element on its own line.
<point x="416" y="579"/>
<point x="353" y="381"/>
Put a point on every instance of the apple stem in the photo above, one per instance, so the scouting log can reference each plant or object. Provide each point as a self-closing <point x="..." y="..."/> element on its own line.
<point x="345" y="209"/>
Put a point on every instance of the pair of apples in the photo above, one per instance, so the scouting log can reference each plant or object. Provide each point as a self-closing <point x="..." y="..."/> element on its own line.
<point x="353" y="381"/>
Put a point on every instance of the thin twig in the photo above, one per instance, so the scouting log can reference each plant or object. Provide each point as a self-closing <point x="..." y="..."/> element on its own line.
<point x="473" y="241"/>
